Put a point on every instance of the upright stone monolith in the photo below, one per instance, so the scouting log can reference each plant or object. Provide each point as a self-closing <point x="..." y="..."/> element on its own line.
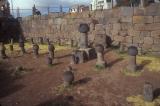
<point x="22" y="46"/>
<point x="83" y="29"/>
<point x="100" y="56"/>
<point x="68" y="77"/>
<point x="11" y="45"/>
<point x="35" y="50"/>
<point x="2" y="51"/>
<point x="132" y="52"/>
<point x="148" y="92"/>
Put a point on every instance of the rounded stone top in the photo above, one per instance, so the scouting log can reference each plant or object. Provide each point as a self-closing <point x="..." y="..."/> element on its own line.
<point x="132" y="50"/>
<point x="83" y="28"/>
<point x="99" y="48"/>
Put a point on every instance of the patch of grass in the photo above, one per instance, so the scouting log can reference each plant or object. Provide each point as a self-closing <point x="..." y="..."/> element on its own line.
<point x="43" y="48"/>
<point x="62" y="89"/>
<point x="100" y="67"/>
<point x="153" y="65"/>
<point x="131" y="73"/>
<point x="139" y="101"/>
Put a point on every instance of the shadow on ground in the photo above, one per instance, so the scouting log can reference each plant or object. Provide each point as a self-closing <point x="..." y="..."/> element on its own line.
<point x="143" y="64"/>
<point x="110" y="64"/>
<point x="82" y="81"/>
<point x="7" y="85"/>
<point x="156" y="93"/>
<point x="61" y="101"/>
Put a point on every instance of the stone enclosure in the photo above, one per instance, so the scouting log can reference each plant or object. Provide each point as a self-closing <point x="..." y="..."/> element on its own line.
<point x="124" y="25"/>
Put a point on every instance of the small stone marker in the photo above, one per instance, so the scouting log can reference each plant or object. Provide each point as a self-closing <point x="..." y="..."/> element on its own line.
<point x="100" y="56"/>
<point x="68" y="76"/>
<point x="22" y="46"/>
<point x="51" y="50"/>
<point x="11" y="46"/>
<point x="2" y="51"/>
<point x="35" y="50"/>
<point x="49" y="61"/>
<point x="148" y="92"/>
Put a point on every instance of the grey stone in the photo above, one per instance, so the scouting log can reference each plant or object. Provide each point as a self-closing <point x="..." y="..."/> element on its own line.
<point x="148" y="92"/>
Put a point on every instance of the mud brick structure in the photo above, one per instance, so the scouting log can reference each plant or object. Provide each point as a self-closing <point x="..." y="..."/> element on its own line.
<point x="131" y="26"/>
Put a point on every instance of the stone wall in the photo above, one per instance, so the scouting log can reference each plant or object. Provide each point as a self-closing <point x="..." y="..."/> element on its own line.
<point x="129" y="26"/>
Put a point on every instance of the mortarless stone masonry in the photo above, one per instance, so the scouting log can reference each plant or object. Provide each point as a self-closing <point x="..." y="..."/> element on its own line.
<point x="138" y="27"/>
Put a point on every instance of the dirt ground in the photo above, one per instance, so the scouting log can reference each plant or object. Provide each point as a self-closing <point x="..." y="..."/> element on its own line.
<point x="41" y="85"/>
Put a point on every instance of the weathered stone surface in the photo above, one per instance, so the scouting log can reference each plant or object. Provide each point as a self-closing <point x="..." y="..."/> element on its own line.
<point x="156" y="47"/>
<point x="126" y="19"/>
<point x="145" y="34"/>
<point x="155" y="34"/>
<point x="138" y="11"/>
<point x="101" y="39"/>
<point x="156" y="19"/>
<point x="99" y="27"/>
<point x="148" y="40"/>
<point x="147" y="27"/>
<point x="142" y="19"/>
<point x="156" y="40"/>
<point x="126" y="26"/>
<point x="137" y="39"/>
<point x="126" y="11"/>
<point x="148" y="92"/>
<point x="117" y="26"/>
<point x="129" y="39"/>
<point x="123" y="33"/>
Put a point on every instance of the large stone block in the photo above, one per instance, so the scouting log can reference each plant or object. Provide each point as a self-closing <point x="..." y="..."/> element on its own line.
<point x="101" y="31"/>
<point x="142" y="19"/>
<point x="156" y="48"/>
<point x="147" y="47"/>
<point x="99" y="27"/>
<point x="147" y="27"/>
<point x="156" y="19"/>
<point x="101" y="39"/>
<point x="132" y="32"/>
<point x="129" y="39"/>
<point x="148" y="40"/>
<point x="137" y="39"/>
<point x="126" y="26"/>
<point x="126" y="11"/>
<point x="114" y="20"/>
<point x="123" y="33"/>
<point x="156" y="41"/>
<point x="155" y="34"/>
<point x="138" y="11"/>
<point x="126" y="19"/>
<point x="117" y="26"/>
<point x="152" y="10"/>
<point x="145" y="34"/>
